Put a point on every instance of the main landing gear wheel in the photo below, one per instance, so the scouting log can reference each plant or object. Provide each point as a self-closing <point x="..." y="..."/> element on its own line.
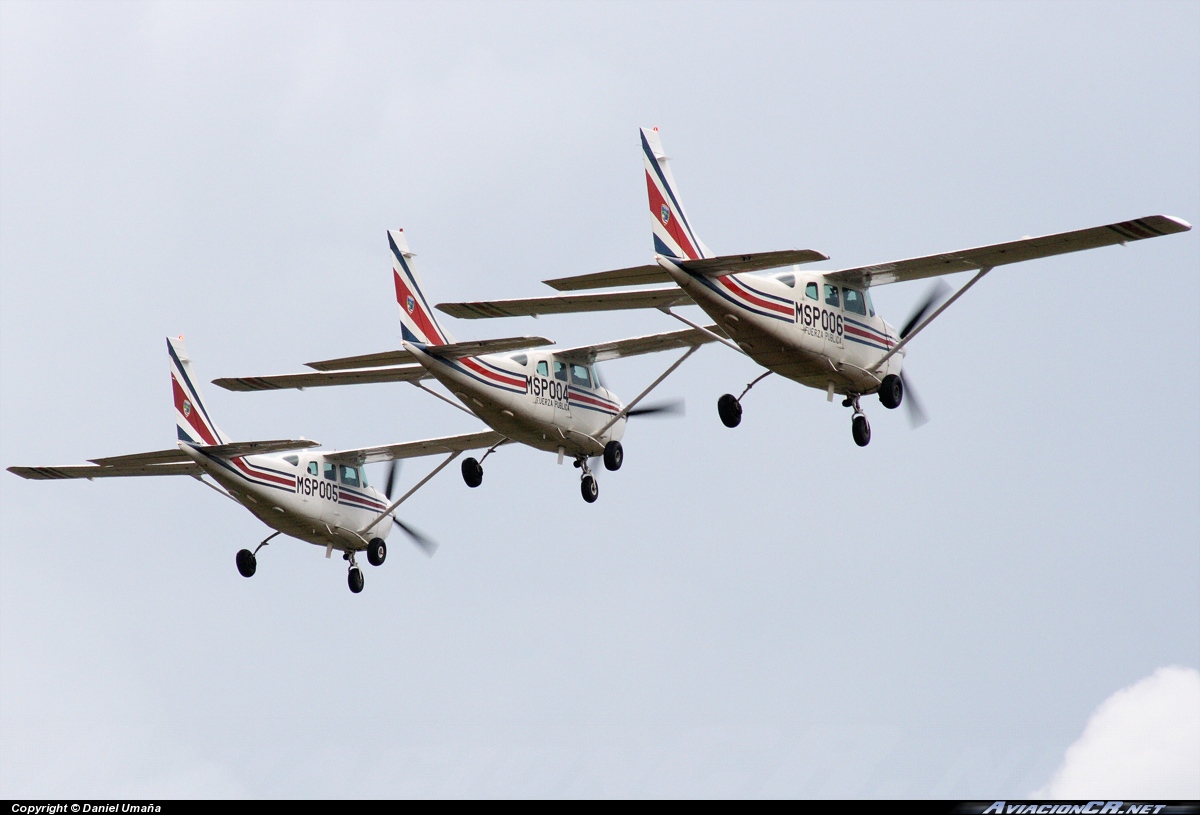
<point x="355" y="579"/>
<point x="472" y="472"/>
<point x="376" y="552"/>
<point x="891" y="391"/>
<point x="246" y="563"/>
<point x="730" y="410"/>
<point x="589" y="489"/>
<point x="861" y="430"/>
<point x="613" y="455"/>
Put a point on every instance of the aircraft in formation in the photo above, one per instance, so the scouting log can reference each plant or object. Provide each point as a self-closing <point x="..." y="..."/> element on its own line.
<point x="816" y="328"/>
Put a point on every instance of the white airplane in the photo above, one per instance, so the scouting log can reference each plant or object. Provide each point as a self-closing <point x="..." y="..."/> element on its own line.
<point x="819" y="328"/>
<point x="551" y="400"/>
<point x="319" y="497"/>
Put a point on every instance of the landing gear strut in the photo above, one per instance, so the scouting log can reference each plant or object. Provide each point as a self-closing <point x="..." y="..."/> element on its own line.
<point x="729" y="407"/>
<point x="246" y="562"/>
<point x="587" y="483"/>
<point x="355" y="577"/>
<point x="859" y="426"/>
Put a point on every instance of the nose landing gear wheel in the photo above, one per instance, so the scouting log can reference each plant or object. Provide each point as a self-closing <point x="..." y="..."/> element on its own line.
<point x="377" y="552"/>
<point x="891" y="391"/>
<point x="613" y="455"/>
<point x="472" y="472"/>
<point x="355" y="579"/>
<point x="589" y="489"/>
<point x="861" y="430"/>
<point x="730" y="410"/>
<point x="246" y="562"/>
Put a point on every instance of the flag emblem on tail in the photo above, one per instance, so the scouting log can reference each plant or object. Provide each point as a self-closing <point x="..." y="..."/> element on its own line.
<point x="411" y="304"/>
<point x="666" y="214"/>
<point x="187" y="408"/>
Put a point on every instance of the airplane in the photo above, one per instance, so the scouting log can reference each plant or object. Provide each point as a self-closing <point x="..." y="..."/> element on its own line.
<point x="320" y="497"/>
<point x="820" y="328"/>
<point x="551" y="400"/>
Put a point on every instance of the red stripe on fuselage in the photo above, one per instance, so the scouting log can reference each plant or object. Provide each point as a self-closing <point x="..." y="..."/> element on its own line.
<point x="673" y="225"/>
<point x="245" y="468"/>
<point x="469" y="362"/>
<point x="423" y="321"/>
<point x="734" y="287"/>
<point x="192" y="414"/>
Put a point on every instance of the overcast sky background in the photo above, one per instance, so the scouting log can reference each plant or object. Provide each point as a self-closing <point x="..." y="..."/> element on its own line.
<point x="763" y="611"/>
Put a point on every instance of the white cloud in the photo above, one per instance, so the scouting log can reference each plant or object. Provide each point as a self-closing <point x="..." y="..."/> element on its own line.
<point x="1142" y="742"/>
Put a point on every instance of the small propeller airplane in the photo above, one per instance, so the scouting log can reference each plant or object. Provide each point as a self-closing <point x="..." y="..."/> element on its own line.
<point x="551" y="400"/>
<point x="819" y="329"/>
<point x="321" y="497"/>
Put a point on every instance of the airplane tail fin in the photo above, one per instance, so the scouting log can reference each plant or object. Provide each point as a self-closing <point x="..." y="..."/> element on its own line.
<point x="673" y="234"/>
<point x="417" y="320"/>
<point x="192" y="421"/>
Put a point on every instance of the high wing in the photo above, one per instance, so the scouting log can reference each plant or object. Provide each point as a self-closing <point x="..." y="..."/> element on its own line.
<point x="255" y="448"/>
<point x="568" y="304"/>
<point x="157" y="462"/>
<point x="633" y="346"/>
<point x="1001" y="254"/>
<point x="413" y="449"/>
<point x="710" y="267"/>
<point x="362" y="376"/>
<point x="454" y="350"/>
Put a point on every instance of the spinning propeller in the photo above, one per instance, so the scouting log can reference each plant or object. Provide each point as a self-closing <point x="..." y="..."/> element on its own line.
<point x="933" y="298"/>
<point x="421" y="541"/>
<point x="673" y="407"/>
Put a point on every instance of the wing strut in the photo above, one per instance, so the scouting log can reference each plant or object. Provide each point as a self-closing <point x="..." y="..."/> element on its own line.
<point x="667" y="310"/>
<point x="932" y="317"/>
<point x="406" y="495"/>
<point x="625" y="410"/>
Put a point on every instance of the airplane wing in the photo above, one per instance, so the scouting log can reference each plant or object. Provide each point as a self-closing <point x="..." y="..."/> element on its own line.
<point x="157" y="462"/>
<point x="413" y="449"/>
<point x="633" y="346"/>
<point x="1001" y="254"/>
<point x="256" y="448"/>
<point x="711" y="267"/>
<point x="454" y="350"/>
<point x="568" y="304"/>
<point x="322" y="379"/>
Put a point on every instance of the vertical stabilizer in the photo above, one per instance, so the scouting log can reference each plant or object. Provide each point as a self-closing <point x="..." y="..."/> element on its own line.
<point x="417" y="321"/>
<point x="192" y="421"/>
<point x="673" y="234"/>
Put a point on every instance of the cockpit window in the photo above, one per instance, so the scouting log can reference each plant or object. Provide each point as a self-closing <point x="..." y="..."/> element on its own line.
<point x="870" y="305"/>
<point x="560" y="370"/>
<point x="312" y="468"/>
<point x="810" y="291"/>
<point x="543" y="369"/>
<point x="293" y="460"/>
<point x="580" y="376"/>
<point x="330" y="471"/>
<point x="787" y="278"/>
<point x="520" y="359"/>
<point x="853" y="302"/>
<point x="350" y="476"/>
<point x="831" y="295"/>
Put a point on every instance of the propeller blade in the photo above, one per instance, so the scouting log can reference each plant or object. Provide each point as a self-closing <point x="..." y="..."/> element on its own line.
<point x="936" y="294"/>
<point x="391" y="481"/>
<point x="425" y="544"/>
<point x="916" y="413"/>
<point x="673" y="407"/>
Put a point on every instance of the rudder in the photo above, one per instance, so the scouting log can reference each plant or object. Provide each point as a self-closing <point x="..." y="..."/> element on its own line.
<point x="417" y="321"/>
<point x="192" y="422"/>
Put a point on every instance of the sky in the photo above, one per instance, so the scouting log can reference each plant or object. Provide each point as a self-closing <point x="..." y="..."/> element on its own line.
<point x="970" y="609"/>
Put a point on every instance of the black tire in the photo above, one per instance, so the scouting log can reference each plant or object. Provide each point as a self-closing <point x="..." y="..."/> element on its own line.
<point x="730" y="410"/>
<point x="472" y="472"/>
<point x="377" y="552"/>
<point x="861" y="430"/>
<point x="355" y="579"/>
<point x="614" y="454"/>
<point x="891" y="392"/>
<point x="246" y="563"/>
<point x="589" y="488"/>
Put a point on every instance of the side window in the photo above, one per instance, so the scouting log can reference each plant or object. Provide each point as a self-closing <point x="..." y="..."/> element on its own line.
<point x="787" y="278"/>
<point x="543" y="368"/>
<point x="312" y="468"/>
<point x="810" y="291"/>
<point x="853" y="301"/>
<point x="330" y="471"/>
<point x="350" y="476"/>
<point x="560" y="370"/>
<point x="579" y="376"/>
<point x="870" y="305"/>
<point x="520" y="359"/>
<point x="831" y="295"/>
<point x="293" y="460"/>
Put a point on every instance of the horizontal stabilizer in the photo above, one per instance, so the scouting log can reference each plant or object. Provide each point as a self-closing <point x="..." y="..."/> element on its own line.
<point x="1001" y="254"/>
<point x="568" y="304"/>
<point x="633" y="346"/>
<point x="188" y="467"/>
<point x="414" y="449"/>
<point x="710" y="267"/>
<point x="365" y="376"/>
<point x="454" y="350"/>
